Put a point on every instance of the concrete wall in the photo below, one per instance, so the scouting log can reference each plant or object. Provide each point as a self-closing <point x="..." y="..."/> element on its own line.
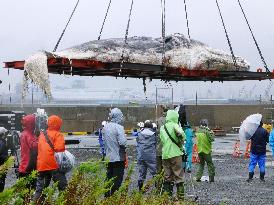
<point x="89" y="118"/>
<point x="226" y="116"/>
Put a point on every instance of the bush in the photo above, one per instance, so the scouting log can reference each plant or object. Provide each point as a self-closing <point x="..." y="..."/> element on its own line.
<point x="87" y="186"/>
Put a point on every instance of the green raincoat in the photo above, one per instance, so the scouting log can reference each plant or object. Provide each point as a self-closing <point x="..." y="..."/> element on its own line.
<point x="205" y="137"/>
<point x="170" y="149"/>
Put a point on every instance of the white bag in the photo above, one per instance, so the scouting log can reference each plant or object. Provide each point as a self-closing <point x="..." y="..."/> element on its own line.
<point x="65" y="160"/>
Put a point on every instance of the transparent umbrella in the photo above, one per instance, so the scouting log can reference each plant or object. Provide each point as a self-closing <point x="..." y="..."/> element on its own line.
<point x="249" y="127"/>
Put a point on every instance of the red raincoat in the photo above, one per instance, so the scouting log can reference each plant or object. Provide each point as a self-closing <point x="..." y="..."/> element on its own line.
<point x="28" y="142"/>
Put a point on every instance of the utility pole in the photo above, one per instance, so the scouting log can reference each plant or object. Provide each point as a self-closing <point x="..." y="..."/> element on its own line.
<point x="156" y="104"/>
<point x="196" y="99"/>
<point x="32" y="98"/>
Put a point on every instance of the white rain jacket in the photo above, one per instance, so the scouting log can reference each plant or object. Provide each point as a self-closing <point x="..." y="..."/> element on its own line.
<point x="114" y="137"/>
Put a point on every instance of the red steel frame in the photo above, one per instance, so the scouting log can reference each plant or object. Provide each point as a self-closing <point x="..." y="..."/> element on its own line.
<point x="117" y="69"/>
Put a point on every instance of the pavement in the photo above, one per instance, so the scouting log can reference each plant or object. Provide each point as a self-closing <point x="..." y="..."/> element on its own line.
<point x="221" y="145"/>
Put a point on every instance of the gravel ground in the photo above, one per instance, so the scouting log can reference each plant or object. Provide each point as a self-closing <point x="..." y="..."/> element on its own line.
<point x="230" y="186"/>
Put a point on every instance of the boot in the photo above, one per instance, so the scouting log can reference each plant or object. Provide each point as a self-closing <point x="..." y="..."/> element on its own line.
<point x="140" y="184"/>
<point x="250" y="176"/>
<point x="197" y="179"/>
<point x="262" y="176"/>
<point x="168" y="187"/>
<point x="211" y="179"/>
<point x="180" y="191"/>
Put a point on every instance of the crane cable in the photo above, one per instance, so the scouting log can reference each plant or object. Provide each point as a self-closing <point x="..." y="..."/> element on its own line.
<point x="62" y="34"/>
<point x="163" y="11"/>
<point x="227" y="37"/>
<point x="128" y="23"/>
<point x="126" y="35"/>
<point x="253" y="36"/>
<point x="102" y="27"/>
<point x="187" y="22"/>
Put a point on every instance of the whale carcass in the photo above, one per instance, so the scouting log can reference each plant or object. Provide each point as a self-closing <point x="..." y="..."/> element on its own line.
<point x="179" y="52"/>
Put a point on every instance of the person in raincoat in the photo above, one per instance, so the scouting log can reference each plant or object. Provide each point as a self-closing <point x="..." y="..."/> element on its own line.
<point x="189" y="136"/>
<point x="160" y="122"/>
<point x="146" y="152"/>
<point x="46" y="163"/>
<point x="29" y="148"/>
<point x="188" y="145"/>
<point x="115" y="148"/>
<point x="259" y="141"/>
<point x="205" y="137"/>
<point x="134" y="132"/>
<point x="267" y="127"/>
<point x="3" y="156"/>
<point x="101" y="141"/>
<point x="172" y="137"/>
<point x="271" y="141"/>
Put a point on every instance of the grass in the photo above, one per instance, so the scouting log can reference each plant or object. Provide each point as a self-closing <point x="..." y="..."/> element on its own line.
<point x="87" y="186"/>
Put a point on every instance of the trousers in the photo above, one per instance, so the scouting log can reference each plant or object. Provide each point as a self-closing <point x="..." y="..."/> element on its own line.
<point x="44" y="178"/>
<point x="257" y="159"/>
<point x="144" y="166"/>
<point x="115" y="170"/>
<point x="2" y="182"/>
<point x="173" y="170"/>
<point x="30" y="185"/>
<point x="189" y="149"/>
<point x="205" y="158"/>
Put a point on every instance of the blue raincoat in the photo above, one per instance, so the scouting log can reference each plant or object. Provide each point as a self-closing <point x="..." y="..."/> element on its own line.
<point x="188" y="145"/>
<point x="271" y="141"/>
<point x="101" y="143"/>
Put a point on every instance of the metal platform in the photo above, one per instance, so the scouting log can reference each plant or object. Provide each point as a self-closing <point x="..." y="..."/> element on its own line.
<point x="136" y="70"/>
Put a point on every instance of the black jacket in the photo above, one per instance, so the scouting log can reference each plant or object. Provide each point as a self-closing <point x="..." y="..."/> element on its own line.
<point x="3" y="151"/>
<point x="259" y="141"/>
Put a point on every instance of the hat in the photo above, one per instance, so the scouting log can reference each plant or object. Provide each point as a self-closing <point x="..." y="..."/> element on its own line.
<point x="140" y="124"/>
<point x="148" y="124"/>
<point x="204" y="122"/>
<point x="104" y="123"/>
<point x="3" y="130"/>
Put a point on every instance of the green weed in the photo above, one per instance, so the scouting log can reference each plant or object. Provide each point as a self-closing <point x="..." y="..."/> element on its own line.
<point x="87" y="186"/>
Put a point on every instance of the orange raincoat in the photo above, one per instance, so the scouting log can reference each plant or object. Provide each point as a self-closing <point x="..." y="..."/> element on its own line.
<point x="46" y="160"/>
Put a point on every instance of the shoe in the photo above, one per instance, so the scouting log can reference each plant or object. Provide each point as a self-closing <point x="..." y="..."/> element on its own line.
<point x="250" y="176"/>
<point x="168" y="187"/>
<point x="262" y="176"/>
<point x="140" y="184"/>
<point x="180" y="191"/>
<point x="197" y="179"/>
<point x="249" y="180"/>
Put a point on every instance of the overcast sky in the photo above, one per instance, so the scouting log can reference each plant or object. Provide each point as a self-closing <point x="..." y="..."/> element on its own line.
<point x="31" y="25"/>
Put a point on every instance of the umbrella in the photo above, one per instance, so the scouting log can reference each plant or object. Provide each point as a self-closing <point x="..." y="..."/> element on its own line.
<point x="249" y="127"/>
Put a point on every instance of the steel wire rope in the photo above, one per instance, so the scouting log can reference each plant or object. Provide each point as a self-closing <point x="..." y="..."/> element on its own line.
<point x="104" y="21"/>
<point x="128" y="22"/>
<point x="62" y="34"/>
<point x="163" y="12"/>
<point x="188" y="29"/>
<point x="126" y="35"/>
<point x="253" y="36"/>
<point x="187" y="21"/>
<point x="227" y="37"/>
